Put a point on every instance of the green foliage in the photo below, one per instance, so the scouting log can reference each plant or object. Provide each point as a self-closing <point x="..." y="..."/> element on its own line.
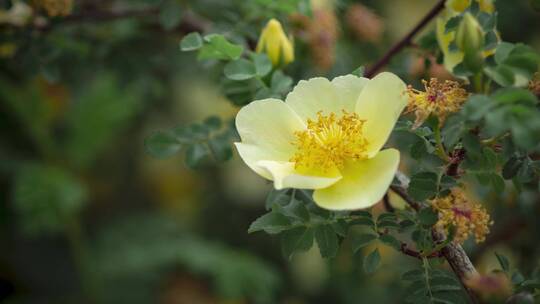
<point x="47" y="198"/>
<point x="145" y="244"/>
<point x="203" y="144"/>
<point x="428" y="285"/>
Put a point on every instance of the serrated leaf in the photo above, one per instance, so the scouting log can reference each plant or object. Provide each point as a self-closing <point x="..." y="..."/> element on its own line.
<point x="388" y="225"/>
<point x="196" y="155"/>
<point x="296" y="240"/>
<point x="413" y="275"/>
<point x="390" y="241"/>
<point x="371" y="261"/>
<point x="162" y="144"/>
<point x="217" y="47"/>
<point x="297" y="209"/>
<point x="341" y="227"/>
<point x="503" y="261"/>
<point x="423" y="185"/>
<point x="241" y="69"/>
<point x="271" y="223"/>
<point x="262" y="63"/>
<point x="363" y="221"/>
<point x="428" y="217"/>
<point x="361" y="240"/>
<point x="280" y="197"/>
<point x="327" y="241"/>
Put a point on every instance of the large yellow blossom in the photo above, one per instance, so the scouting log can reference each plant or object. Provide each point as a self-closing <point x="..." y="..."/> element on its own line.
<point x="327" y="136"/>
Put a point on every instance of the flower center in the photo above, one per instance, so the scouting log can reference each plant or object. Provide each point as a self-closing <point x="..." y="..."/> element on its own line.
<point x="329" y="141"/>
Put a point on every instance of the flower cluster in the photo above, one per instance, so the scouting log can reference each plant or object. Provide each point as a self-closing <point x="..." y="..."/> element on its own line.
<point x="467" y="217"/>
<point x="439" y="99"/>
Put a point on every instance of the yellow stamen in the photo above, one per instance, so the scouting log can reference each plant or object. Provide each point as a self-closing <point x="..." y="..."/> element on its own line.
<point x="439" y="98"/>
<point x="468" y="218"/>
<point x="329" y="141"/>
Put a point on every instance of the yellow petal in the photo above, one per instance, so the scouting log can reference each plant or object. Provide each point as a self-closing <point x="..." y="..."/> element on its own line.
<point x="270" y="125"/>
<point x="380" y="103"/>
<point x="251" y="154"/>
<point x="364" y="183"/>
<point x="451" y="59"/>
<point x="284" y="175"/>
<point x="319" y="94"/>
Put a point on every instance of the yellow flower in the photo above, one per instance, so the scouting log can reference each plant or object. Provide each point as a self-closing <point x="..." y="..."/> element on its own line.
<point x="453" y="8"/>
<point x="439" y="99"/>
<point x="326" y="136"/>
<point x="275" y="43"/>
<point x="467" y="217"/>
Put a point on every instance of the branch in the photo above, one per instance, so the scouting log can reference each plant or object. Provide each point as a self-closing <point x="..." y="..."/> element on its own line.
<point x="405" y="41"/>
<point x="453" y="253"/>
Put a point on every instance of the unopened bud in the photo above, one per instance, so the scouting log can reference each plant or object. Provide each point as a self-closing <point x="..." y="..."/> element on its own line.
<point x="470" y="40"/>
<point x="275" y="44"/>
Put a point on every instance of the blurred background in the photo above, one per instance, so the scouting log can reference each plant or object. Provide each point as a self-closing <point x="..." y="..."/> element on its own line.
<point x="87" y="216"/>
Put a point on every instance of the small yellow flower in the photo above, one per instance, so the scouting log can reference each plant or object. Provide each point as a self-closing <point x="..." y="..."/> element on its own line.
<point x="327" y="136"/>
<point x="453" y="8"/>
<point x="439" y="99"/>
<point x="469" y="218"/>
<point x="275" y="44"/>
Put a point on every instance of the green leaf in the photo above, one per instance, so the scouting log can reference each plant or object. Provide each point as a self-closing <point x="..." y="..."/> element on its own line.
<point x="296" y="240"/>
<point x="170" y="14"/>
<point x="387" y="217"/>
<point x="162" y="144"/>
<point x="46" y="198"/>
<point x="363" y="221"/>
<point x="297" y="209"/>
<point x="196" y="155"/>
<point x="511" y="167"/>
<point x="327" y="241"/>
<point x="423" y="186"/>
<point x="371" y="261"/>
<point x="280" y="197"/>
<point x="413" y="275"/>
<point x="280" y="83"/>
<point x="271" y="223"/>
<point x="388" y="225"/>
<point x="501" y="74"/>
<point x="341" y="227"/>
<point x="217" y="47"/>
<point x="452" y="24"/>
<point x="503" y="261"/>
<point x="362" y="240"/>
<point x="191" y="42"/>
<point x="477" y="107"/>
<point x="359" y="71"/>
<point x="428" y="217"/>
<point x="263" y="65"/>
<point x="502" y="51"/>
<point x="390" y="241"/>
<point x="241" y="69"/>
<point x="444" y="284"/>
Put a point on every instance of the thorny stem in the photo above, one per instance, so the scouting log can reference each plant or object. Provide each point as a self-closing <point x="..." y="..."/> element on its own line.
<point x="405" y="41"/>
<point x="453" y="253"/>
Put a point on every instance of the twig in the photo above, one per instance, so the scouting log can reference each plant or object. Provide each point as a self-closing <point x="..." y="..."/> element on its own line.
<point x="453" y="253"/>
<point x="405" y="41"/>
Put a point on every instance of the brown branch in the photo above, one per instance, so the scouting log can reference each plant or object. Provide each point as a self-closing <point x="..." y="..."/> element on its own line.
<point x="405" y="41"/>
<point x="453" y="253"/>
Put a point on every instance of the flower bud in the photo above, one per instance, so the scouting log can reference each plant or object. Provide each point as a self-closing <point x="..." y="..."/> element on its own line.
<point x="470" y="40"/>
<point x="275" y="44"/>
